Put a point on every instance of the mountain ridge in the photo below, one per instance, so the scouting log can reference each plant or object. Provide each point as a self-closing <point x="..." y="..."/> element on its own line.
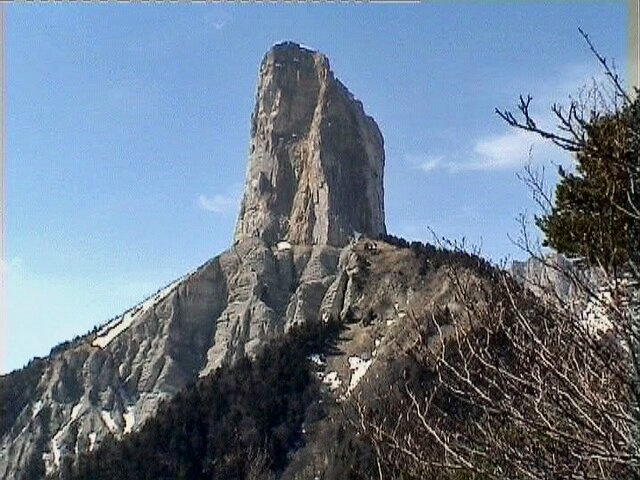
<point x="289" y="264"/>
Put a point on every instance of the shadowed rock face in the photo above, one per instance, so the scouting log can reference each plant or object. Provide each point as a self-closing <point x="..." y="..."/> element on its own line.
<point x="316" y="159"/>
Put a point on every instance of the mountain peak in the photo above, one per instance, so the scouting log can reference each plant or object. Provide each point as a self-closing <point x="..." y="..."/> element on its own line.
<point x="288" y="45"/>
<point x="315" y="172"/>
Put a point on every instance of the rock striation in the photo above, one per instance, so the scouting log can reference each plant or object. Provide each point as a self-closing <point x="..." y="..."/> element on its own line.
<point x="314" y="182"/>
<point x="544" y="276"/>
<point x="315" y="172"/>
<point x="110" y="382"/>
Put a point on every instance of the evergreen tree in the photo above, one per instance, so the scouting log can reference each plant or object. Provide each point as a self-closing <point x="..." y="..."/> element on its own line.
<point x="589" y="218"/>
<point x="594" y="213"/>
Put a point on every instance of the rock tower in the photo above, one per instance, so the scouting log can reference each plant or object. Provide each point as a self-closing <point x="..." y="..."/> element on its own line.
<point x="315" y="170"/>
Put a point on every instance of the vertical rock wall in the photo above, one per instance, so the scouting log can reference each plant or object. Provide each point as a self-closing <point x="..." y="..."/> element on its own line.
<point x="315" y="173"/>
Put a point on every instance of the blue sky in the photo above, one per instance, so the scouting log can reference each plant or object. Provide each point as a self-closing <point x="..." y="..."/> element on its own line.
<point x="127" y="130"/>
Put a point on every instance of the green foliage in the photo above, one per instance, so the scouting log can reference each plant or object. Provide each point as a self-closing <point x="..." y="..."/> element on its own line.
<point x="587" y="219"/>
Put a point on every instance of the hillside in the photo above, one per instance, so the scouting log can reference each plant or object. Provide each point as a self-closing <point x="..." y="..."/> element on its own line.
<point x="282" y="414"/>
<point x="311" y="143"/>
<point x="317" y="346"/>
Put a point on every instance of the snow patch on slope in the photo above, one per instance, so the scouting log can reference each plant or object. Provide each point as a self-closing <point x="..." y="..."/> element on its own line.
<point x="52" y="460"/>
<point x="108" y="421"/>
<point x="359" y="367"/>
<point x="36" y="409"/>
<point x="92" y="441"/>
<point x="317" y="359"/>
<point x="129" y="419"/>
<point x="114" y="328"/>
<point x="282" y="246"/>
<point x="75" y="412"/>
<point x="332" y="380"/>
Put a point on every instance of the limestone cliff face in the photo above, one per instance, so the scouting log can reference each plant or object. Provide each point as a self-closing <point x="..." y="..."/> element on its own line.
<point x="108" y="383"/>
<point x="314" y="180"/>
<point x="315" y="173"/>
<point x="585" y="292"/>
<point x="545" y="278"/>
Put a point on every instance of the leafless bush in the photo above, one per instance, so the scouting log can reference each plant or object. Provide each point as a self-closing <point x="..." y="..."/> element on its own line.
<point x="512" y="389"/>
<point x="527" y="382"/>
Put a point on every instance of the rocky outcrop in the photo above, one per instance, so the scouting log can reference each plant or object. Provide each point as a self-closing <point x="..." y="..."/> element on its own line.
<point x="544" y="276"/>
<point x="315" y="173"/>
<point x="314" y="182"/>
<point x="588" y="294"/>
<point x="110" y="382"/>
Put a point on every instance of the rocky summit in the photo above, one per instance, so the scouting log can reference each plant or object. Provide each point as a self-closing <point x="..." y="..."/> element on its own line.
<point x="314" y="182"/>
<point x="315" y="173"/>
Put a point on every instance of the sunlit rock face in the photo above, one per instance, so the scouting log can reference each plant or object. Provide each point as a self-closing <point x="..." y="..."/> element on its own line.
<point x="315" y="172"/>
<point x="314" y="181"/>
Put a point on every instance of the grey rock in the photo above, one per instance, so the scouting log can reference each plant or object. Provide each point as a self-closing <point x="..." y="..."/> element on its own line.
<point x="545" y="276"/>
<point x="314" y="181"/>
<point x="224" y="310"/>
<point x="560" y="280"/>
<point x="315" y="172"/>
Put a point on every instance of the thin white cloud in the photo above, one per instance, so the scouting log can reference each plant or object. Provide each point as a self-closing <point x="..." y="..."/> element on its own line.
<point x="510" y="150"/>
<point x="503" y="151"/>
<point x="430" y="163"/>
<point x="219" y="25"/>
<point x="10" y="265"/>
<point x="221" y="203"/>
<point x="217" y="203"/>
<point x="217" y="19"/>
<point x="514" y="148"/>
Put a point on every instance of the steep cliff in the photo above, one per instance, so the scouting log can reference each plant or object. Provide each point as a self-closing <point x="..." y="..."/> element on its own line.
<point x="314" y="181"/>
<point x="585" y="292"/>
<point x="315" y="173"/>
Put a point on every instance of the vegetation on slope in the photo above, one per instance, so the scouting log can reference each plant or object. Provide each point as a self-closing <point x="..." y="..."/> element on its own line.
<point x="17" y="389"/>
<point x="516" y="387"/>
<point x="242" y="421"/>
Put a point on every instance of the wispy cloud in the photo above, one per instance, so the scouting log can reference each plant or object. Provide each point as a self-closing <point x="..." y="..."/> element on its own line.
<point x="219" y="25"/>
<point x="502" y="151"/>
<point x="217" y="19"/>
<point x="513" y="148"/>
<point x="510" y="150"/>
<point x="430" y="163"/>
<point x="10" y="265"/>
<point x="221" y="203"/>
<point x="217" y="203"/>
